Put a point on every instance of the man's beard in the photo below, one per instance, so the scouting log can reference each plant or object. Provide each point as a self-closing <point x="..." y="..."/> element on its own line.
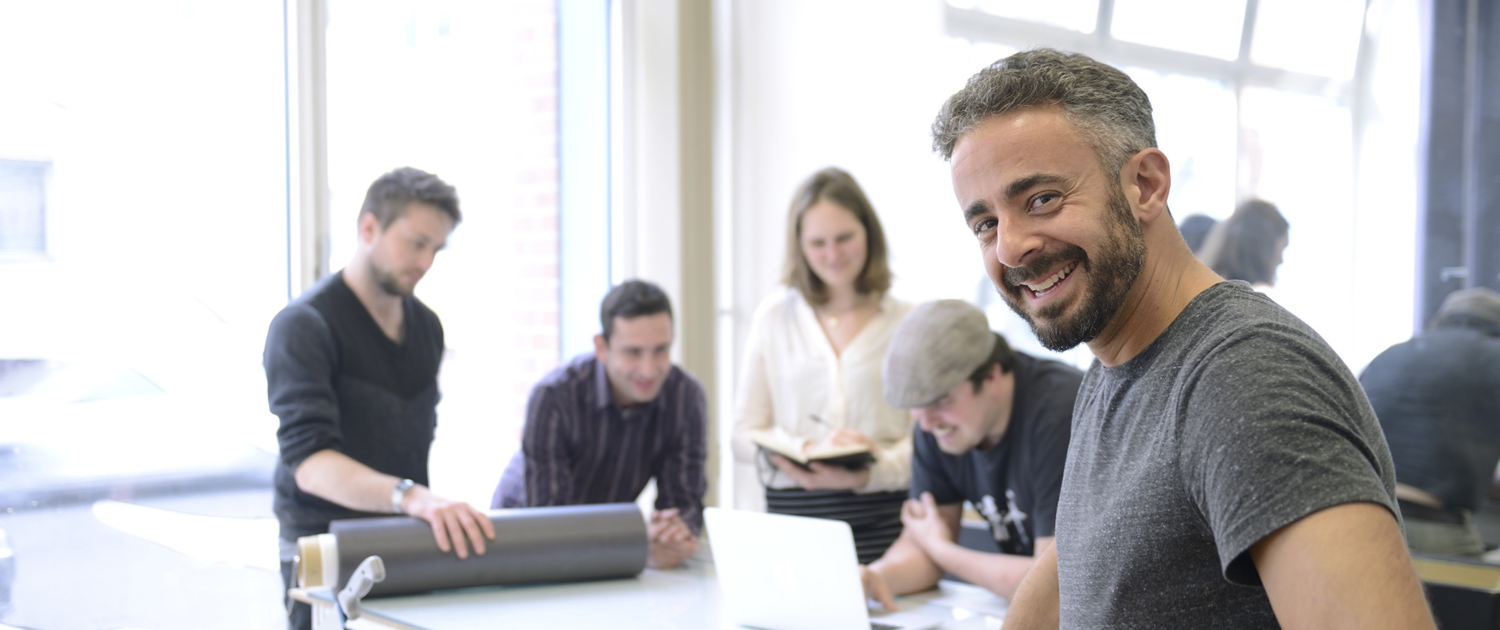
<point x="1121" y="257"/>
<point x="387" y="281"/>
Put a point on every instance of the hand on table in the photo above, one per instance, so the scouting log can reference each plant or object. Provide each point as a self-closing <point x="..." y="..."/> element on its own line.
<point x="672" y="541"/>
<point x="822" y="476"/>
<point x="454" y="521"/>
<point x="921" y="519"/>
<point x="876" y="588"/>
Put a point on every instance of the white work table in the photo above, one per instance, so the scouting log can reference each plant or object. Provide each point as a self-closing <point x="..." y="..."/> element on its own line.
<point x="686" y="597"/>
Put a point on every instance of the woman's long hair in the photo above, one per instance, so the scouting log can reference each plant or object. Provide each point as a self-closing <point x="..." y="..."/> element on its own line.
<point x="835" y="185"/>
<point x="1247" y="245"/>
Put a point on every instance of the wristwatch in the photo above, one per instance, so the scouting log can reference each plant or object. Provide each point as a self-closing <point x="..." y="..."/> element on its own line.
<point x="399" y="492"/>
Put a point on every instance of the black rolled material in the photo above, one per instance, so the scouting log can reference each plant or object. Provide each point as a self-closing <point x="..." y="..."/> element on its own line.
<point x="531" y="545"/>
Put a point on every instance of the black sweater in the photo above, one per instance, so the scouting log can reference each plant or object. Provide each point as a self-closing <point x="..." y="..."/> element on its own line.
<point x="337" y="382"/>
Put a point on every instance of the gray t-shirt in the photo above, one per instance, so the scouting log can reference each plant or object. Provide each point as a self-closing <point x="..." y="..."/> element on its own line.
<point x="1235" y="422"/>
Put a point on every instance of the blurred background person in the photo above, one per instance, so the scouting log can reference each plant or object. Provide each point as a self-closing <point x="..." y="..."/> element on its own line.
<point x="1195" y="228"/>
<point x="812" y="367"/>
<point x="1438" y="400"/>
<point x="1248" y="245"/>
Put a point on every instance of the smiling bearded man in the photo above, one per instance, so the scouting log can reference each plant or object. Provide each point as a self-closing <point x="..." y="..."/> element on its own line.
<point x="1224" y="468"/>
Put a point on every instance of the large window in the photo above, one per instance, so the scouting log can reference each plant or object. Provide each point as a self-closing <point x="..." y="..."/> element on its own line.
<point x="144" y="230"/>
<point x="466" y="90"/>
<point x="1268" y="99"/>
<point x="149" y="233"/>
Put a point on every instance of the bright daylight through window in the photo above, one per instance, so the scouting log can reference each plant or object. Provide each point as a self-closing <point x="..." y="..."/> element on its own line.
<point x="144" y="213"/>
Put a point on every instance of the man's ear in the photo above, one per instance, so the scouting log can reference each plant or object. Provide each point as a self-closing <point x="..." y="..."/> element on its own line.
<point x="369" y="226"/>
<point x="601" y="347"/>
<point x="1146" y="178"/>
<point x="996" y="373"/>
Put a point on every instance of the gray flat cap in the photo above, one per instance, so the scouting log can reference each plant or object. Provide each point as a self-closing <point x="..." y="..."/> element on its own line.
<point x="936" y="347"/>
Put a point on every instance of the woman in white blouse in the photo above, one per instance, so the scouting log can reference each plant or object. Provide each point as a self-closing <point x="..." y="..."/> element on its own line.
<point x="812" y="368"/>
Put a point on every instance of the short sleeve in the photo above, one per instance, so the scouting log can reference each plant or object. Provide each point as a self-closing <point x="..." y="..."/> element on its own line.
<point x="300" y="359"/>
<point x="928" y="473"/>
<point x="1263" y="448"/>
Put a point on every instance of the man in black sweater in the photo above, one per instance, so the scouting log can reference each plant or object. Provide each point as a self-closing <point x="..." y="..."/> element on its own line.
<point x="351" y="369"/>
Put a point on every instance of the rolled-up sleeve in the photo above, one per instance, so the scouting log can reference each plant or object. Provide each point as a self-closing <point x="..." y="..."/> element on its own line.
<point x="300" y="360"/>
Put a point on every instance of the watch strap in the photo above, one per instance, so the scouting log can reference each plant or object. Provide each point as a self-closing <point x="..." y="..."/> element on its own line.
<point x="399" y="492"/>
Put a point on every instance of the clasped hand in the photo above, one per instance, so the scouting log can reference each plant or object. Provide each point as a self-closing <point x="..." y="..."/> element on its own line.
<point x="672" y="541"/>
<point x="920" y="518"/>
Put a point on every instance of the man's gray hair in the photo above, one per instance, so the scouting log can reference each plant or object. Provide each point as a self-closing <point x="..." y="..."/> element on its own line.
<point x="1102" y="103"/>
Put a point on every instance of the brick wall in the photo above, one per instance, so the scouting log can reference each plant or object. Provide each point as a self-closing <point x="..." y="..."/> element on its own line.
<point x="533" y="208"/>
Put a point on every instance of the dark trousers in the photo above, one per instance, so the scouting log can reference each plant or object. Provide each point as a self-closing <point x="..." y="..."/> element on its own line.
<point x="874" y="517"/>
<point x="298" y="614"/>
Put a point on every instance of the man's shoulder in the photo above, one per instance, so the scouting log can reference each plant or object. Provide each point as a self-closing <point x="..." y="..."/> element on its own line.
<point x="568" y="374"/>
<point x="1232" y="304"/>
<point x="325" y="304"/>
<point x="296" y="322"/>
<point x="1232" y="322"/>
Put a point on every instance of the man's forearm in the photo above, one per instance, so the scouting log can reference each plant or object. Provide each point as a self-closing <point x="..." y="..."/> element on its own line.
<point x="999" y="572"/>
<point x="906" y="569"/>
<point x="336" y="477"/>
<point x="1036" y="604"/>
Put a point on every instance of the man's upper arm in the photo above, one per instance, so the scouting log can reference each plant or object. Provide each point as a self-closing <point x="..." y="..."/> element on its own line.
<point x="1262" y="448"/>
<point x="680" y="480"/>
<point x="1341" y="567"/>
<point x="545" y="444"/>
<point x="300" y="360"/>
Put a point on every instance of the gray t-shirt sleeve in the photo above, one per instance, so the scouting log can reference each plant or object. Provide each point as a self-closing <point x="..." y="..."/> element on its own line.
<point x="1262" y="448"/>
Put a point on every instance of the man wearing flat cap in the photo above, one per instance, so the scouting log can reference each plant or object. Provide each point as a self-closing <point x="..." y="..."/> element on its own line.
<point x="1437" y="397"/>
<point x="992" y="429"/>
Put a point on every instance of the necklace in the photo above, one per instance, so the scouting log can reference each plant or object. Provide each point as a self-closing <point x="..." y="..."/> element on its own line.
<point x="833" y="320"/>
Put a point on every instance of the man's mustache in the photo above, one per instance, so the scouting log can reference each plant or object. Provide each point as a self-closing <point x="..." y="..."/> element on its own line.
<point x="1015" y="276"/>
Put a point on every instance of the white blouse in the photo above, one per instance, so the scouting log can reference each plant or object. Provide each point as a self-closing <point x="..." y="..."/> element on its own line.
<point x="791" y="373"/>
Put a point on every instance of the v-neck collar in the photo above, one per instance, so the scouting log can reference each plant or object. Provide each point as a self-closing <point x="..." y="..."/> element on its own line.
<point x="810" y="321"/>
<point x="369" y="318"/>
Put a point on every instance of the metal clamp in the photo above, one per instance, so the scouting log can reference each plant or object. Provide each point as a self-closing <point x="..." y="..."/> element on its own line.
<point x="371" y="571"/>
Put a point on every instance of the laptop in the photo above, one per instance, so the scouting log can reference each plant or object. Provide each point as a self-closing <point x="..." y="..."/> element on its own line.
<point x="781" y="572"/>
